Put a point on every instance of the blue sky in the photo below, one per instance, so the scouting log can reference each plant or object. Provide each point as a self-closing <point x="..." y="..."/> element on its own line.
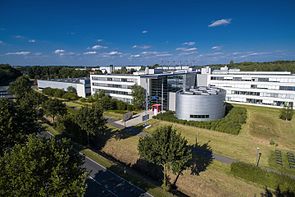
<point x="145" y="32"/>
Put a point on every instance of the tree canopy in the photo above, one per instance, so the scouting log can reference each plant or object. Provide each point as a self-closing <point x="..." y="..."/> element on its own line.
<point x="260" y="66"/>
<point x="42" y="168"/>
<point x="16" y="123"/>
<point x="91" y="120"/>
<point x="52" y="72"/>
<point x="20" y="86"/>
<point x="54" y="107"/>
<point x="138" y="94"/>
<point x="167" y="148"/>
<point x="8" y="74"/>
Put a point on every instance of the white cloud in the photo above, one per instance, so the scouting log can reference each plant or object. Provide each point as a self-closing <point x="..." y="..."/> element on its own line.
<point x="186" y="49"/>
<point x="216" y="48"/>
<point x="32" y="41"/>
<point x="112" y="54"/>
<point x="141" y="46"/>
<point x="152" y="54"/>
<point x="1" y="42"/>
<point x="19" y="37"/>
<point x="144" y="32"/>
<point x="190" y="43"/>
<point x="19" y="53"/>
<point x="135" y="56"/>
<point x="254" y="54"/>
<point x="188" y="53"/>
<point x="98" y="46"/>
<point x="220" y="22"/>
<point x="59" y="52"/>
<point x="99" y="40"/>
<point x="163" y="54"/>
<point x="89" y="53"/>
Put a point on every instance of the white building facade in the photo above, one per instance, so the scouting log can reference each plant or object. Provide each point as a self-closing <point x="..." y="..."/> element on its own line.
<point x="117" y="86"/>
<point x="157" y="83"/>
<point x="82" y="85"/>
<point x="274" y="89"/>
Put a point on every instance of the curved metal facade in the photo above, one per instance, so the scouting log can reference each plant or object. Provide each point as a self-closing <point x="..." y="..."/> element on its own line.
<point x="200" y="107"/>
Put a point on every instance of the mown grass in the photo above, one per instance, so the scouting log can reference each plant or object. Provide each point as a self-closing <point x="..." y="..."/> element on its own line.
<point x="267" y="179"/>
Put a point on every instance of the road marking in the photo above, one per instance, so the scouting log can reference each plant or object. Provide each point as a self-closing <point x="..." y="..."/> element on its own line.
<point x="119" y="176"/>
<point x="103" y="186"/>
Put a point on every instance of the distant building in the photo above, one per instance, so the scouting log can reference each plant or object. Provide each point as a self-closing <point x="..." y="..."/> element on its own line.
<point x="274" y="89"/>
<point x="4" y="93"/>
<point x="82" y="85"/>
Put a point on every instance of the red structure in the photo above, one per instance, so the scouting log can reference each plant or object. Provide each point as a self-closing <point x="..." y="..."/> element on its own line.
<point x="156" y="108"/>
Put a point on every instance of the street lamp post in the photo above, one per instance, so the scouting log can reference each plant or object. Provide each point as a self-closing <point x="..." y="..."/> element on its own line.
<point x="258" y="155"/>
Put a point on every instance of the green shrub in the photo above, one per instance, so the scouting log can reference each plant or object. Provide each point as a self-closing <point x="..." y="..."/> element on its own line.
<point x="260" y="176"/>
<point x="70" y="96"/>
<point x="231" y="123"/>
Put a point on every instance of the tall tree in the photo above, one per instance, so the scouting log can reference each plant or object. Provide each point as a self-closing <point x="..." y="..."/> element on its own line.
<point x="42" y="168"/>
<point x="138" y="94"/>
<point x="167" y="148"/>
<point x="287" y="112"/>
<point x="16" y="123"/>
<point x="91" y="120"/>
<point x="20" y="86"/>
<point x="8" y="74"/>
<point x="54" y="107"/>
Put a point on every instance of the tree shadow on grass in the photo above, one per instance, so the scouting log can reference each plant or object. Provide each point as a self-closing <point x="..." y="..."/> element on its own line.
<point x="277" y="193"/>
<point x="202" y="157"/>
<point x="128" y="132"/>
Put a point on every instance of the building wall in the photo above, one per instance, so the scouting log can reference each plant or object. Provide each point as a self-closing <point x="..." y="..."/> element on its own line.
<point x="117" y="86"/>
<point x="82" y="89"/>
<point x="192" y="107"/>
<point x="256" y="89"/>
<point x="4" y="93"/>
<point x="172" y="101"/>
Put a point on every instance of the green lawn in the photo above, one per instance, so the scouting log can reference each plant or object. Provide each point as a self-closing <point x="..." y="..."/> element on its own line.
<point x="261" y="126"/>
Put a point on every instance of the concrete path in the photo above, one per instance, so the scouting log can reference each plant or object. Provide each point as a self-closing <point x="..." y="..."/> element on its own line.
<point x="135" y="120"/>
<point x="112" y="122"/>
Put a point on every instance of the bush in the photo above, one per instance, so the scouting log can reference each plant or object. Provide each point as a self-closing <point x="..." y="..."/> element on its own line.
<point x="231" y="123"/>
<point x="70" y="96"/>
<point x="58" y="93"/>
<point x="260" y="176"/>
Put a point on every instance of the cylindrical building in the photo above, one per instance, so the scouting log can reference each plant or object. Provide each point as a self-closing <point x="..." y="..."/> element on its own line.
<point x="200" y="104"/>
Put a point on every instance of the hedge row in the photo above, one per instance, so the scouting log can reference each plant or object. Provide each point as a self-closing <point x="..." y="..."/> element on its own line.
<point x="262" y="177"/>
<point x="231" y="123"/>
<point x="60" y="93"/>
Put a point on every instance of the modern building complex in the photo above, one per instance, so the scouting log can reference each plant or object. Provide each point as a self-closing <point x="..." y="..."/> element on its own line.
<point x="82" y="85"/>
<point x="255" y="88"/>
<point x="200" y="104"/>
<point x="157" y="83"/>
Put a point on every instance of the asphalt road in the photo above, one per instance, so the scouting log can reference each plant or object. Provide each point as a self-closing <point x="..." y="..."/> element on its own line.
<point x="102" y="182"/>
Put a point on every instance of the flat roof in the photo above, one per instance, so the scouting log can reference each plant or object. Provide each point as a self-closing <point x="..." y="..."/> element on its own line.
<point x="203" y="90"/>
<point x="68" y="80"/>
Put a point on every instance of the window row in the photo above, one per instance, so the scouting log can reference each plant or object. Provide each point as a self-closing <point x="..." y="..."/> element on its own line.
<point x="112" y="91"/>
<point x="199" y="116"/>
<point x="113" y="79"/>
<point x="112" y="85"/>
